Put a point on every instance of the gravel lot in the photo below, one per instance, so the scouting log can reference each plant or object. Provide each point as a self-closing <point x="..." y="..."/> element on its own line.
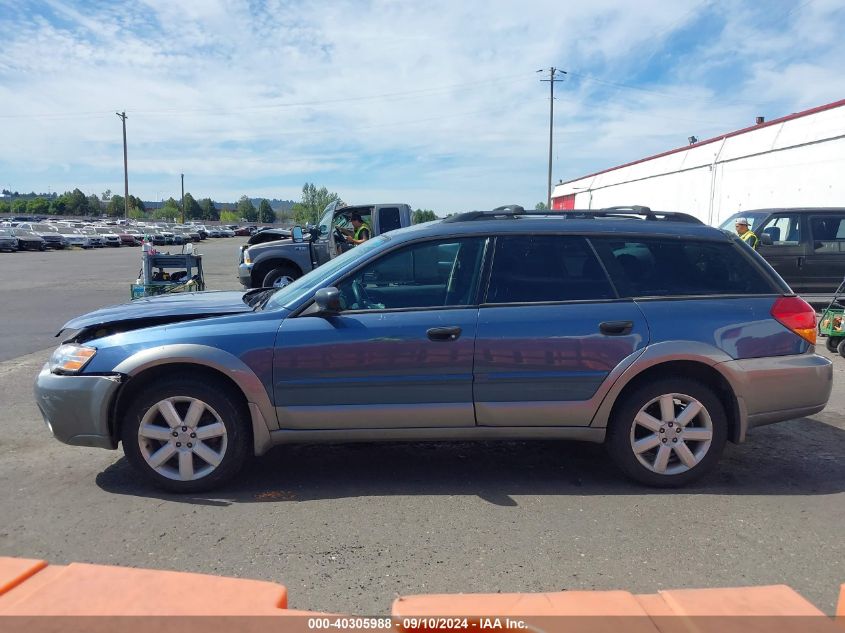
<point x="348" y="528"/>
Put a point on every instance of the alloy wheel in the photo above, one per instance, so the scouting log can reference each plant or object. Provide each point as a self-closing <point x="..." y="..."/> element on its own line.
<point x="182" y="438"/>
<point x="671" y="434"/>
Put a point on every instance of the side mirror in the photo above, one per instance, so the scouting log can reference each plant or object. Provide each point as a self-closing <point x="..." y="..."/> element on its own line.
<point x="324" y="230"/>
<point x="296" y="233"/>
<point x="327" y="300"/>
<point x="766" y="239"/>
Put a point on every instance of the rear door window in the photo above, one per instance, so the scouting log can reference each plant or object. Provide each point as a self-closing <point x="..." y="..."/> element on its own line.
<point x="669" y="267"/>
<point x="828" y="233"/>
<point x="546" y="268"/>
<point x="388" y="219"/>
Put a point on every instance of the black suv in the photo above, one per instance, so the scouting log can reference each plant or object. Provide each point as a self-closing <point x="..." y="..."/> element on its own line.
<point x="805" y="245"/>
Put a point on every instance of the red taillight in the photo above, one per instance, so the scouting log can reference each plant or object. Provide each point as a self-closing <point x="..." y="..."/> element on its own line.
<point x="796" y="314"/>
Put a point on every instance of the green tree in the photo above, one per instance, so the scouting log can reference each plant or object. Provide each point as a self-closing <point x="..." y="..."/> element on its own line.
<point x="170" y="211"/>
<point x="209" y="211"/>
<point x="38" y="206"/>
<point x="541" y="206"/>
<point x="5" y="207"/>
<point x="94" y="206"/>
<point x="246" y="210"/>
<point x="423" y="215"/>
<point x="116" y="207"/>
<point x="107" y="195"/>
<point x="136" y="204"/>
<point x="193" y="211"/>
<point x="266" y="213"/>
<point x="58" y="206"/>
<point x="229" y="217"/>
<point x="77" y="203"/>
<point x="19" y="206"/>
<point x="313" y="202"/>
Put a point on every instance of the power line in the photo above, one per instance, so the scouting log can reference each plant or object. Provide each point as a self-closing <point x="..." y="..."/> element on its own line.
<point x="432" y="91"/>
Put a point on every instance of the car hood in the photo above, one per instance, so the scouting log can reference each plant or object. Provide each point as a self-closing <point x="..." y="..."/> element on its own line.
<point x="149" y="311"/>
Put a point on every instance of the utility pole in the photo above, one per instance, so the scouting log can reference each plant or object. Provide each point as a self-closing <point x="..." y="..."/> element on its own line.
<point x="122" y="116"/>
<point x="183" y="198"/>
<point x="552" y="82"/>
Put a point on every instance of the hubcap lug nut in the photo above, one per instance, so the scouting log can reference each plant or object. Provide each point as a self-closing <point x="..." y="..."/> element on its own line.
<point x="674" y="439"/>
<point x="184" y="428"/>
<point x="178" y="444"/>
<point x="663" y="440"/>
<point x="193" y="435"/>
<point x="175" y="434"/>
<point x="191" y="445"/>
<point x="670" y="425"/>
<point x="662" y="430"/>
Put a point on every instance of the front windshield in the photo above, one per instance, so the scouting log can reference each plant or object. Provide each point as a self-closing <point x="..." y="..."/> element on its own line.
<point x="6" y="232"/>
<point x="753" y="218"/>
<point x="295" y="291"/>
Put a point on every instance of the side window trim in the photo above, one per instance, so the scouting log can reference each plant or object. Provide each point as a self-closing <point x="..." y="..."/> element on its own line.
<point x="589" y="249"/>
<point x="438" y="238"/>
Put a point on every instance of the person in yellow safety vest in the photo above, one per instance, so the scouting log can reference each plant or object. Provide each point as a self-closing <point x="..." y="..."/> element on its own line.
<point x="361" y="232"/>
<point x="745" y="234"/>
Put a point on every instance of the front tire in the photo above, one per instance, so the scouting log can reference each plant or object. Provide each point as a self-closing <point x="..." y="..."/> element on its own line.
<point x="280" y="277"/>
<point x="186" y="435"/>
<point x="667" y="433"/>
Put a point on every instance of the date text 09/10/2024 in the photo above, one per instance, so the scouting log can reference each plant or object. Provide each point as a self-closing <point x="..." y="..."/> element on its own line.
<point x="417" y="623"/>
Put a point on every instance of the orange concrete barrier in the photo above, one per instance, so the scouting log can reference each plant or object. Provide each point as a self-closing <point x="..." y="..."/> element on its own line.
<point x="34" y="588"/>
<point x="31" y="589"/>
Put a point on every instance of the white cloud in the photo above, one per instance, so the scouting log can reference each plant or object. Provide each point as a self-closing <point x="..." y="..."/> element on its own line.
<point x="435" y="103"/>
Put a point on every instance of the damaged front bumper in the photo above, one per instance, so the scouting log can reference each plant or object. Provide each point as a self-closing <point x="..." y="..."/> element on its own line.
<point x="76" y="408"/>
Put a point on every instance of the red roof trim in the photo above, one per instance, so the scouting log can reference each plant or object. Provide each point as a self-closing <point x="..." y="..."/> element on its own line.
<point x="788" y="117"/>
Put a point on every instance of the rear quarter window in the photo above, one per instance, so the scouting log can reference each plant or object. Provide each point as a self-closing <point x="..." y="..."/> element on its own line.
<point x="669" y="267"/>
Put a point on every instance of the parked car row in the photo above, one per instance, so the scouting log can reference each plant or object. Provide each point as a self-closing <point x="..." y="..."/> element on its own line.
<point x="33" y="235"/>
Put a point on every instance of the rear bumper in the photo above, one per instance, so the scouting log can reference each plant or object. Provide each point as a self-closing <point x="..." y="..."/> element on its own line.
<point x="779" y="388"/>
<point x="76" y="408"/>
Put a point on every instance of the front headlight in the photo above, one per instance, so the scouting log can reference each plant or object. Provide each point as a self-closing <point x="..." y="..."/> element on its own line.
<point x="247" y="258"/>
<point x="70" y="358"/>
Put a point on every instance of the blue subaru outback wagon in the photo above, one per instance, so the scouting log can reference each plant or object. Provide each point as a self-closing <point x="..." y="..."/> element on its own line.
<point x="658" y="336"/>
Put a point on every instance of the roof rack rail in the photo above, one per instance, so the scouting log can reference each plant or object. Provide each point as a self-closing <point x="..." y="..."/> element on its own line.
<point x="512" y="212"/>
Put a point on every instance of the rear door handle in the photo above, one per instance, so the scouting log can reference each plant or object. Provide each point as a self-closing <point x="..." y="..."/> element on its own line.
<point x="800" y="262"/>
<point x="616" y="328"/>
<point x="444" y="333"/>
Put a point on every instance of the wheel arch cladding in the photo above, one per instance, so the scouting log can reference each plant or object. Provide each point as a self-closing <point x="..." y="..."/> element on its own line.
<point x="692" y="370"/>
<point x="137" y="383"/>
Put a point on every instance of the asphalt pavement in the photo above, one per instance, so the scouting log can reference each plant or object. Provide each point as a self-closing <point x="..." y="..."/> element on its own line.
<point x="349" y="527"/>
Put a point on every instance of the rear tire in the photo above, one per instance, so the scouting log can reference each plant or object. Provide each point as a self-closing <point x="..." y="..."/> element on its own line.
<point x="643" y="437"/>
<point x="841" y="348"/>
<point x="212" y="440"/>
<point x="832" y="343"/>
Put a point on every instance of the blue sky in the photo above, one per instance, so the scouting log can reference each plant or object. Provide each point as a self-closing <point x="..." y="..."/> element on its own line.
<point x="433" y="103"/>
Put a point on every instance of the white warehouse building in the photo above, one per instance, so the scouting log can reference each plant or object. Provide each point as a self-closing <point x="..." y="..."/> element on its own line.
<point x="795" y="161"/>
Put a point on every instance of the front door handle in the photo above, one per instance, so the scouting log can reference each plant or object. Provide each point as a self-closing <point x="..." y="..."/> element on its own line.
<point x="616" y="328"/>
<point x="444" y="333"/>
<point x="800" y="262"/>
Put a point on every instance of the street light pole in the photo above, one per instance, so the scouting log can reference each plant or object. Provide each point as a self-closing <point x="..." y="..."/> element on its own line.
<point x="122" y="116"/>
<point x="552" y="82"/>
<point x="183" y="198"/>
